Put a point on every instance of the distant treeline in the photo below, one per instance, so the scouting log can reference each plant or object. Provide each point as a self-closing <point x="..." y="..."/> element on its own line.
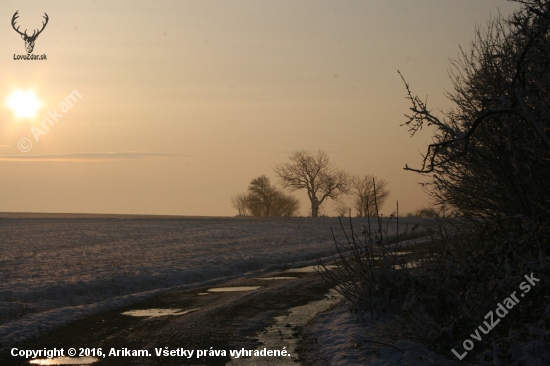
<point x="321" y="180"/>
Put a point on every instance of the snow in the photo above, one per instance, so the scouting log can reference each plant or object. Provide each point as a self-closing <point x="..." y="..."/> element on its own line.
<point x="60" y="268"/>
<point x="341" y="341"/>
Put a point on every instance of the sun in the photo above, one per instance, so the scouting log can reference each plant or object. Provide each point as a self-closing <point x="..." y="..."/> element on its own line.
<point x="23" y="103"/>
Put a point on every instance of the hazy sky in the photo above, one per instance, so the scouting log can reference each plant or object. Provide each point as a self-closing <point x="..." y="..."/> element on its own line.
<point x="185" y="102"/>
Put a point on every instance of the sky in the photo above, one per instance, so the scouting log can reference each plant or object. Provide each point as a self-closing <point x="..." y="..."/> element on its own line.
<point x="180" y="104"/>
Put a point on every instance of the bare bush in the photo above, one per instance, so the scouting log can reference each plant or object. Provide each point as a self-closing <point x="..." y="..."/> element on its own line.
<point x="490" y="166"/>
<point x="490" y="160"/>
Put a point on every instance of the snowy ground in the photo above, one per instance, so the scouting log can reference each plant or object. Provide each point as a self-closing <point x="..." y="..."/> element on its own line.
<point x="342" y="342"/>
<point x="59" y="268"/>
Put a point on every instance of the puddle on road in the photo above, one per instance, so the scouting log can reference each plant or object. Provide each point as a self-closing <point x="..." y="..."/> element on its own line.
<point x="203" y="293"/>
<point x="310" y="269"/>
<point x="409" y="265"/>
<point x="234" y="289"/>
<point x="284" y="333"/>
<point x="64" y="361"/>
<point x="276" y="278"/>
<point x="390" y="256"/>
<point x="153" y="313"/>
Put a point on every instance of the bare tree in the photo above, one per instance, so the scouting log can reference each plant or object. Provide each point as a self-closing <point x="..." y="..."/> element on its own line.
<point x="264" y="199"/>
<point x="316" y="175"/>
<point x="369" y="194"/>
<point x="239" y="203"/>
<point x="263" y="195"/>
<point x="342" y="208"/>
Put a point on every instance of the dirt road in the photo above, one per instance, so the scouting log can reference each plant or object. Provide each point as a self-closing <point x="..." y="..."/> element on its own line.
<point x="216" y="321"/>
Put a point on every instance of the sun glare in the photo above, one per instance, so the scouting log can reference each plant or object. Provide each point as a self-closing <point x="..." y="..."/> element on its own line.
<point x="23" y="103"/>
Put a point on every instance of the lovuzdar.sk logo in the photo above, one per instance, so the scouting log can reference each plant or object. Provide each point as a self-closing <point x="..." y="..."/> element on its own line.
<point x="29" y="40"/>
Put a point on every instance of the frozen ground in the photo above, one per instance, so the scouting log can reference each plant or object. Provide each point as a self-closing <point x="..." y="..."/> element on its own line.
<point x="58" y="268"/>
<point x="342" y="342"/>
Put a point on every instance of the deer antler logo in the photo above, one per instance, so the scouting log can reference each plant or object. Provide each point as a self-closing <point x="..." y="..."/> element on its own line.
<point x="29" y="40"/>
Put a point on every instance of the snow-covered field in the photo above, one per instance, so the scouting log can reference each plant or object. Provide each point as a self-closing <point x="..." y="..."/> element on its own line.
<point x="58" y="268"/>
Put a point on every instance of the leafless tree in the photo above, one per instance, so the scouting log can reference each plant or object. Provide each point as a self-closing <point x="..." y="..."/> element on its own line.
<point x="263" y="195"/>
<point x="316" y="175"/>
<point x="264" y="199"/>
<point x="365" y="201"/>
<point x="342" y="208"/>
<point x="240" y="203"/>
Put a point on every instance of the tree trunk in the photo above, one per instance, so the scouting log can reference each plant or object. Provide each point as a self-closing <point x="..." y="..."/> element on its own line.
<point x="315" y="208"/>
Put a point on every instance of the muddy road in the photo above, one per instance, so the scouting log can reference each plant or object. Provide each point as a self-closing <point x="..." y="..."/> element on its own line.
<point x="259" y="317"/>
